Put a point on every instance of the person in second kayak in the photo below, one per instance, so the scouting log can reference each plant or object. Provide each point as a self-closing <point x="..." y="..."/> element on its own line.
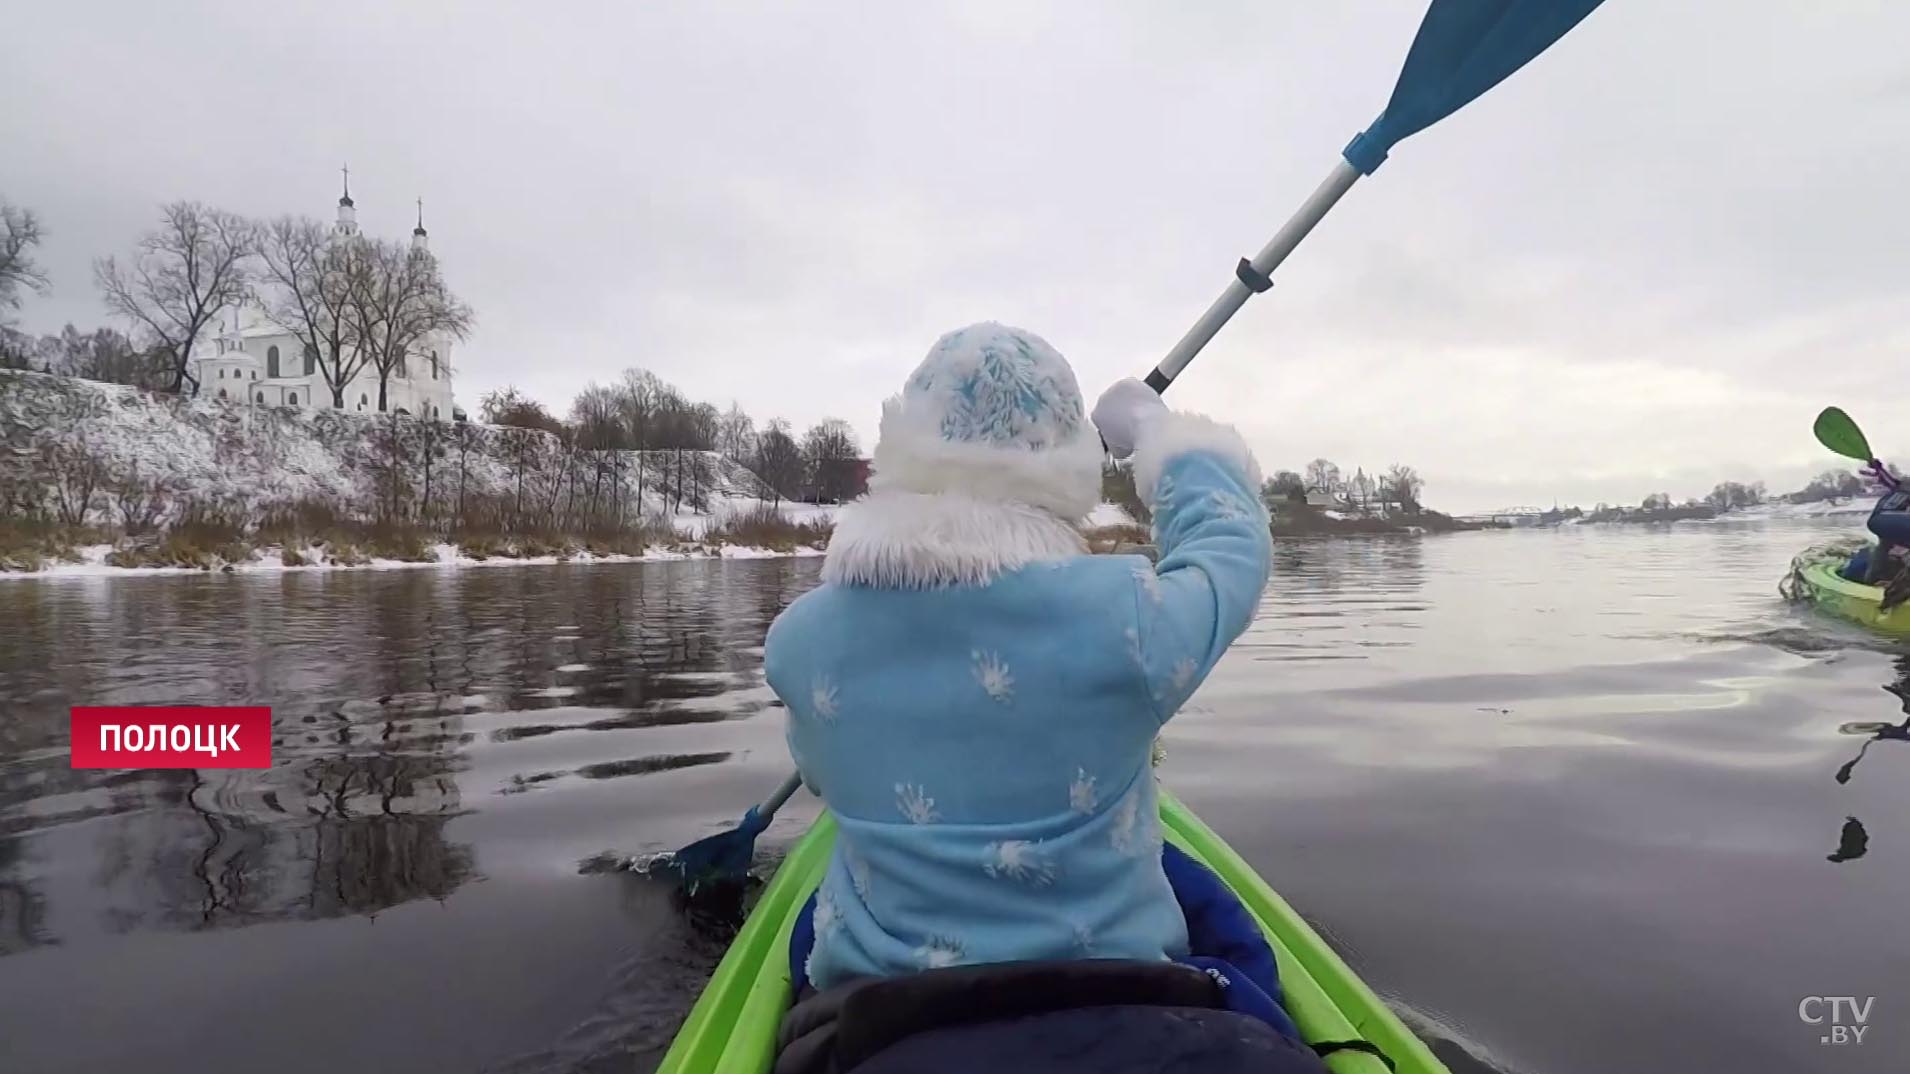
<point x="1890" y="521"/>
<point x="975" y="698"/>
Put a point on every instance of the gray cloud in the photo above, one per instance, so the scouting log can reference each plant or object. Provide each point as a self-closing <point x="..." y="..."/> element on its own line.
<point x="1643" y="262"/>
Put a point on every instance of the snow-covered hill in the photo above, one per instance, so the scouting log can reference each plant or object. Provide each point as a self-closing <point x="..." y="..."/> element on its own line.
<point x="59" y="435"/>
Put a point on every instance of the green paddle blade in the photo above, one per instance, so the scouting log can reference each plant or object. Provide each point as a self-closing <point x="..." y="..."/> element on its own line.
<point x="1837" y="432"/>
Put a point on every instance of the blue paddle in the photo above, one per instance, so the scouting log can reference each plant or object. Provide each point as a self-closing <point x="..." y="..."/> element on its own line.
<point x="724" y="858"/>
<point x="1464" y="48"/>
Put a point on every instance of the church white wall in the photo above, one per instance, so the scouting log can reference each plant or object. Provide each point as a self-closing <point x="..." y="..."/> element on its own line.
<point x="245" y="375"/>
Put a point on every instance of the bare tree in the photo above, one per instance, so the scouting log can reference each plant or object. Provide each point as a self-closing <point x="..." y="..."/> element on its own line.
<point x="736" y="435"/>
<point x="141" y="501"/>
<point x="1402" y="485"/>
<point x="596" y="415"/>
<point x="76" y="476"/>
<point x="104" y="354"/>
<point x="398" y="302"/>
<point x="1283" y="487"/>
<point x="311" y="277"/>
<point x="1323" y="476"/>
<point x="830" y="455"/>
<point x="779" y="461"/>
<point x="19" y="234"/>
<point x="508" y="406"/>
<point x="193" y="268"/>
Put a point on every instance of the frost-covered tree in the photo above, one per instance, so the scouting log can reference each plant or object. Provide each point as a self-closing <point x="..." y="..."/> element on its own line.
<point x="736" y="435"/>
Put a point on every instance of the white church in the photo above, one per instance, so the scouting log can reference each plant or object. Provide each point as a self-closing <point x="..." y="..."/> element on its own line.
<point x="260" y="362"/>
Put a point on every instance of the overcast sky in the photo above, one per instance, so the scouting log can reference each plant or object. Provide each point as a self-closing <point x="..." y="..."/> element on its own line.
<point x="1641" y="264"/>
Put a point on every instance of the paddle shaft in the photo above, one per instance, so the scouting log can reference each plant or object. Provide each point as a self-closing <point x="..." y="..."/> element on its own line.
<point x="1253" y="277"/>
<point x="782" y="794"/>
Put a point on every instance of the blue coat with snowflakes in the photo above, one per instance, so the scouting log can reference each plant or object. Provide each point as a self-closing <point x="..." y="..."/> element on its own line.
<point x="976" y="701"/>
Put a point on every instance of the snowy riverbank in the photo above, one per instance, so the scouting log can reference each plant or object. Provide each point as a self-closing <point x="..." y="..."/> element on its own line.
<point x="92" y="561"/>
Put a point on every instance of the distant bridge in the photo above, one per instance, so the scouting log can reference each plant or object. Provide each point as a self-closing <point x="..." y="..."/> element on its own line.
<point x="1512" y="516"/>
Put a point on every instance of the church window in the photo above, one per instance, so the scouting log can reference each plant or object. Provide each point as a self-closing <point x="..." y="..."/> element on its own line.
<point x="222" y="393"/>
<point x="311" y="359"/>
<point x="292" y="399"/>
<point x="272" y="361"/>
<point x="258" y="397"/>
<point x="362" y="400"/>
<point x="434" y="365"/>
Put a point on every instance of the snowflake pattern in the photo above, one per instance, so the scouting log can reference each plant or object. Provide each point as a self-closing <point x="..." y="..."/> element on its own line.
<point x="992" y="672"/>
<point x="1133" y="834"/>
<point x="1183" y="674"/>
<point x="1019" y="860"/>
<point x="1150" y="582"/>
<point x="1081" y="796"/>
<point x="1121" y="835"/>
<point x="915" y="804"/>
<point x="1164" y="493"/>
<point x="828" y="916"/>
<point x="1226" y="506"/>
<point x="858" y="867"/>
<point x="941" y="951"/>
<point x="822" y="698"/>
<point x="992" y="384"/>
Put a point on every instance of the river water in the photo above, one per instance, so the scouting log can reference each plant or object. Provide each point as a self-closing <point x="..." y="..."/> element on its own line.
<point x="1578" y="800"/>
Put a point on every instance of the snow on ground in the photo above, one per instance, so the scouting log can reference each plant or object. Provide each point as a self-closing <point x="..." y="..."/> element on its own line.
<point x="1109" y="514"/>
<point x="1823" y="509"/>
<point x="696" y="525"/>
<point x="249" y="459"/>
<point x="93" y="563"/>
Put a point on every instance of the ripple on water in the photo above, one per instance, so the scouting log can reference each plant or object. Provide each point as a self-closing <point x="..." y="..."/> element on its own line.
<point x="1461" y="789"/>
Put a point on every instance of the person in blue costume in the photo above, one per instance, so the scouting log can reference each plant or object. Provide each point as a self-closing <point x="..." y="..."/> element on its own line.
<point x="975" y="698"/>
<point x="1222" y="941"/>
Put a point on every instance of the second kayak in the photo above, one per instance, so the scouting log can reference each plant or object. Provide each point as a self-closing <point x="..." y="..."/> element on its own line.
<point x="1814" y="577"/>
<point x="732" y="1027"/>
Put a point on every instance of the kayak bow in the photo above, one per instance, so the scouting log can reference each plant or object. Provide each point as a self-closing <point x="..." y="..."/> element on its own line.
<point x="732" y="1028"/>
<point x="1818" y="581"/>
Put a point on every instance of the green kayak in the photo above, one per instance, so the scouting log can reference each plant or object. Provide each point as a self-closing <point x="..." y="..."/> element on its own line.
<point x="732" y="1028"/>
<point x="1816" y="580"/>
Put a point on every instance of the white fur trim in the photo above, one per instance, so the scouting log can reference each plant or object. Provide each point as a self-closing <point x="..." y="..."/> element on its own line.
<point x="1172" y="435"/>
<point x="906" y="540"/>
<point x="911" y="456"/>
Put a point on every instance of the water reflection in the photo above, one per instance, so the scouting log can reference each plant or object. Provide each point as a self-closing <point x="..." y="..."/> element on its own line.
<point x="1852" y="841"/>
<point x="1508" y="747"/>
<point x="1878" y="731"/>
<point x="386" y="689"/>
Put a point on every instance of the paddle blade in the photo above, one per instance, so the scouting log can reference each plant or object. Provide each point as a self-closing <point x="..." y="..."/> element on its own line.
<point x="723" y="858"/>
<point x="1464" y="48"/>
<point x="1837" y="432"/>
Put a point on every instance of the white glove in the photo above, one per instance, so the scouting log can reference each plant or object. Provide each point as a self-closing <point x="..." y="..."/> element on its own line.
<point x="1123" y="411"/>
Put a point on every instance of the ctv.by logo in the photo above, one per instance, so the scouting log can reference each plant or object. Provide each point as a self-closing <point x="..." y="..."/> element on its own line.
<point x="1846" y="1018"/>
